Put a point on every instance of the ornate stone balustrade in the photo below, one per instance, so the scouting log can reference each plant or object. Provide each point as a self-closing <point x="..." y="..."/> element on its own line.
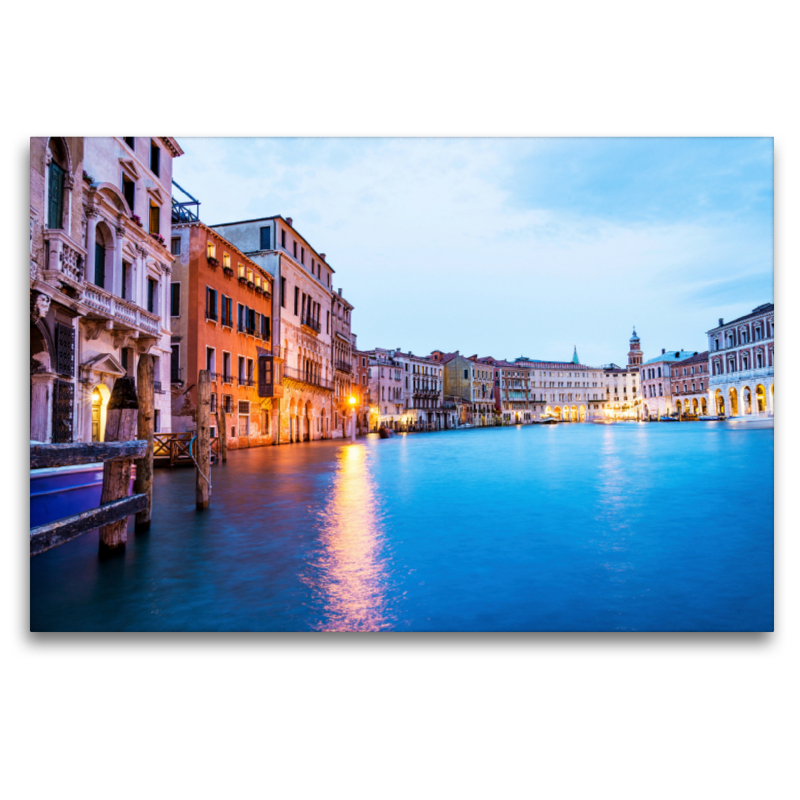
<point x="64" y="258"/>
<point x="121" y="310"/>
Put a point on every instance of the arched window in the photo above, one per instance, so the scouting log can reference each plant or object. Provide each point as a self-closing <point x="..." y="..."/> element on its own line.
<point x="56" y="173"/>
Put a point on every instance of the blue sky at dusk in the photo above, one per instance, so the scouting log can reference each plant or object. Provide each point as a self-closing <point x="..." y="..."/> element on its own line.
<point x="507" y="247"/>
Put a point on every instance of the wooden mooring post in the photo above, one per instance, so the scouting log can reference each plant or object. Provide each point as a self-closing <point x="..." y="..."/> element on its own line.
<point x="223" y="434"/>
<point x="203" y="439"/>
<point x="121" y="426"/>
<point x="145" y="391"/>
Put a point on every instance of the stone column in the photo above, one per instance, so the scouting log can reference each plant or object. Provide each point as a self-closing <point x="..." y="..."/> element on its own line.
<point x="116" y="273"/>
<point x="42" y="406"/>
<point x="91" y="240"/>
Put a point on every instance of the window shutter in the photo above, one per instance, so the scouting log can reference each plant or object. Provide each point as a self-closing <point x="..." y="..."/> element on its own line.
<point x="99" y="265"/>
<point x="55" y="196"/>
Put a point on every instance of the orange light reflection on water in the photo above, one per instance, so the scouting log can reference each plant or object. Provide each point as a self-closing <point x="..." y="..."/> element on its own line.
<point x="352" y="573"/>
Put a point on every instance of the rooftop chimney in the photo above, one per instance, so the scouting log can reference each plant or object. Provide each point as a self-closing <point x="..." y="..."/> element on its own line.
<point x="721" y="322"/>
<point x="663" y="351"/>
<point x="289" y="222"/>
<point x="340" y="291"/>
<point x="322" y="256"/>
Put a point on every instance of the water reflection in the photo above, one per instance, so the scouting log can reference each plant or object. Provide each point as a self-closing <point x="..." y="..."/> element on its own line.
<point x="350" y="570"/>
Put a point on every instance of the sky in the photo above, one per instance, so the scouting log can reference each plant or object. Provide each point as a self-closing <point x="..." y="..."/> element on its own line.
<point x="510" y="247"/>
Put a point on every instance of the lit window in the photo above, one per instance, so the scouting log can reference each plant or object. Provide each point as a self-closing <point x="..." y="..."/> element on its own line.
<point x="226" y="259"/>
<point x="211" y="250"/>
<point x="241" y="270"/>
<point x="250" y="276"/>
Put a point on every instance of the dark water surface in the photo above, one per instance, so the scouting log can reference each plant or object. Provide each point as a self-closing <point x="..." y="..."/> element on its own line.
<point x="537" y="528"/>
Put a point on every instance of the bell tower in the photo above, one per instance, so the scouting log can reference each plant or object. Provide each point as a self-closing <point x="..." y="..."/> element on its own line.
<point x="635" y="353"/>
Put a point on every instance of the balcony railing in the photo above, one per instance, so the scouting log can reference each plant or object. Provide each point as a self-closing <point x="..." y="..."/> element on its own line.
<point x="246" y="382"/>
<point x="157" y="387"/>
<point x="121" y="310"/>
<point x="306" y="377"/>
<point x="311" y="322"/>
<point x="344" y="366"/>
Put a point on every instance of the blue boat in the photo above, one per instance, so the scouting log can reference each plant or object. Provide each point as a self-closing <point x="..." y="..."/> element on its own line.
<point x="60" y="492"/>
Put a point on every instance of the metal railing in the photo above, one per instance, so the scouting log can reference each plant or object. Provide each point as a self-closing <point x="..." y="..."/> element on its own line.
<point x="306" y="377"/>
<point x="344" y="366"/>
<point x="311" y="322"/>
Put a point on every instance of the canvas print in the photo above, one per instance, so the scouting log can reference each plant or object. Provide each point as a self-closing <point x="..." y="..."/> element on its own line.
<point x="361" y="385"/>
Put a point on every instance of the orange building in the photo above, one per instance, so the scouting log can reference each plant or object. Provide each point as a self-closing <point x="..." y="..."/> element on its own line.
<point x="221" y="315"/>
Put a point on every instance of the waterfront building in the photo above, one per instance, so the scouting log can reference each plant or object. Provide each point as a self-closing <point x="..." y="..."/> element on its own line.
<point x="360" y="387"/>
<point x="473" y="382"/>
<point x="426" y="408"/>
<point x="742" y="364"/>
<point x="342" y="360"/>
<point x="622" y="398"/>
<point x="100" y="273"/>
<point x="512" y="390"/>
<point x="390" y="390"/>
<point x="689" y="382"/>
<point x="567" y="390"/>
<point x="221" y="321"/>
<point x="656" y="384"/>
<point x="302" y="388"/>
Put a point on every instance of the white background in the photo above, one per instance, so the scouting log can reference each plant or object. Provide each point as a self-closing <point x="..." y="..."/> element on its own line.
<point x="552" y="716"/>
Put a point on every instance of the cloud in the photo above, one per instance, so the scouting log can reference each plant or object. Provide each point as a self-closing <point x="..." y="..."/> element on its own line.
<point x="513" y="246"/>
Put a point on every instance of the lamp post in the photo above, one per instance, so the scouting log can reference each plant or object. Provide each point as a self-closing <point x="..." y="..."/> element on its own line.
<point x="353" y="420"/>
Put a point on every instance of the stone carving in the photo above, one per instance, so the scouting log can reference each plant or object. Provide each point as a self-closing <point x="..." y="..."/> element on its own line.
<point x="40" y="305"/>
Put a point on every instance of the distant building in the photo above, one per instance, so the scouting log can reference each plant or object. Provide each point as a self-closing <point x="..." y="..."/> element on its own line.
<point x="656" y="383"/>
<point x="689" y="383"/>
<point x="360" y="387"/>
<point x="568" y="390"/>
<point x="473" y="382"/>
<point x="742" y="363"/>
<point x="342" y="360"/>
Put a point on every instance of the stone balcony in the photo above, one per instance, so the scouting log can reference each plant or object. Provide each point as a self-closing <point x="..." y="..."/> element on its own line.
<point x="123" y="314"/>
<point x="64" y="260"/>
<point x="742" y="375"/>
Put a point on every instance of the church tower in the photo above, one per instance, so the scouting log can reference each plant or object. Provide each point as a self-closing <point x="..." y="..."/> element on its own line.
<point x="635" y="353"/>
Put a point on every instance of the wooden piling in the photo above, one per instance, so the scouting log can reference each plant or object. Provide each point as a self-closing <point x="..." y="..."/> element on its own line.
<point x="121" y="426"/>
<point x="145" y="392"/>
<point x="203" y="439"/>
<point x="223" y="434"/>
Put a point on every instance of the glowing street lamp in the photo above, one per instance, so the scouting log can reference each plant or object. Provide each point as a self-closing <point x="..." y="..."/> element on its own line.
<point x="353" y="421"/>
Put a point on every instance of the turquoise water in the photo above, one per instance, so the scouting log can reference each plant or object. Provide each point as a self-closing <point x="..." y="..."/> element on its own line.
<point x="649" y="527"/>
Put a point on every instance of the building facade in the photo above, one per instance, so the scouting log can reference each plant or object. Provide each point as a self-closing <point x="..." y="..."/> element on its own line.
<point x="742" y="364"/>
<point x="390" y="389"/>
<point x="100" y="224"/>
<point x="689" y="381"/>
<point x="567" y="390"/>
<point x="221" y="321"/>
<point x="301" y="357"/>
<point x="342" y="360"/>
<point x="360" y="388"/>
<point x="656" y="383"/>
<point x="470" y="380"/>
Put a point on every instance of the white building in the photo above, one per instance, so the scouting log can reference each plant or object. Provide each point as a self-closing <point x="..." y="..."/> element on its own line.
<point x="100" y="221"/>
<point x="742" y="364"/>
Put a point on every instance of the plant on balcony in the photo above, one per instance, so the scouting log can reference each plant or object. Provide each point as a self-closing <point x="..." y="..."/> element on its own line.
<point x="87" y="177"/>
<point x="212" y="261"/>
<point x="242" y="279"/>
<point x="259" y="290"/>
<point x="251" y="284"/>
<point x="228" y="270"/>
<point x="158" y="237"/>
<point x="136" y="219"/>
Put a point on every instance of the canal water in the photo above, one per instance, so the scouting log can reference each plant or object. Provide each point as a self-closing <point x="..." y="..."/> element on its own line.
<point x="622" y="527"/>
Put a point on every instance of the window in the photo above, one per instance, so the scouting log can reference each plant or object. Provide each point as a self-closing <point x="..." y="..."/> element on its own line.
<point x="250" y="367"/>
<point x="211" y="303"/>
<point x="55" y="195"/>
<point x="124" y="277"/>
<point x="302" y="255"/>
<point x="466" y="374"/>
<point x="226" y="369"/>
<point x="296" y="299"/>
<point x="155" y="217"/>
<point x="258" y="281"/>
<point x="249" y="276"/>
<point x="129" y="191"/>
<point x="283" y="292"/>
<point x="226" y="260"/>
<point x="265" y="232"/>
<point x="283" y="239"/>
<point x="151" y="295"/>
<point x="240" y="314"/>
<point x="228" y="406"/>
<point x="294" y="250"/>
<point x="241" y="369"/>
<point x="241" y="270"/>
<point x="175" y="246"/>
<point x="227" y="311"/>
<point x="129" y="141"/>
<point x="211" y="359"/>
<point x="155" y="158"/>
<point x="175" y="364"/>
<point x="265" y="327"/>
<point x="211" y="250"/>
<point x="175" y="299"/>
